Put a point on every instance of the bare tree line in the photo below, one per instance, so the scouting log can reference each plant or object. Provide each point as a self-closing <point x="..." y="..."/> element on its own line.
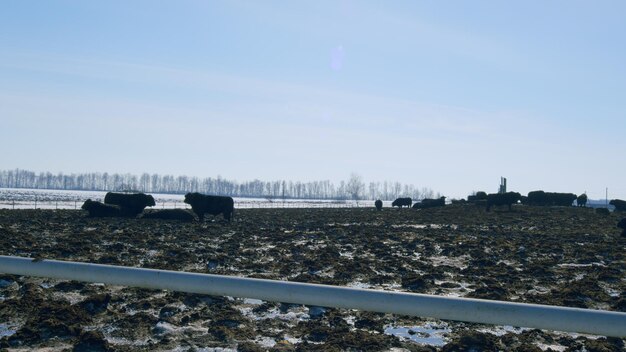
<point x="353" y="188"/>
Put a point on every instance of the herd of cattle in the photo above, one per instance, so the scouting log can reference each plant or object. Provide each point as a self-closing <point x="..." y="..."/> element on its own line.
<point x="131" y="205"/>
<point x="536" y="198"/>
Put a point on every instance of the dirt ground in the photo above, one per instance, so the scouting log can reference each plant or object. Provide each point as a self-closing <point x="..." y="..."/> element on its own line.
<point x="560" y="256"/>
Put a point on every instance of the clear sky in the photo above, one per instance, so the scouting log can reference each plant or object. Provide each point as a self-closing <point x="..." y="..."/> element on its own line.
<point x="449" y="95"/>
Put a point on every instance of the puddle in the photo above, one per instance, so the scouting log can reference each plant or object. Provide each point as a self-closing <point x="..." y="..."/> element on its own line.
<point x="431" y="334"/>
<point x="7" y="330"/>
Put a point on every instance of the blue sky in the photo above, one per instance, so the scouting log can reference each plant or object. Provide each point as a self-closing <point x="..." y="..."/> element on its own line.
<point x="447" y="95"/>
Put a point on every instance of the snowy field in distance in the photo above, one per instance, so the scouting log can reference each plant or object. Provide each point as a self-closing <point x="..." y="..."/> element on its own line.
<point x="20" y="198"/>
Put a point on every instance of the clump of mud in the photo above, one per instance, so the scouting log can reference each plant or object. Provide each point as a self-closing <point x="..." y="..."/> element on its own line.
<point x="559" y="256"/>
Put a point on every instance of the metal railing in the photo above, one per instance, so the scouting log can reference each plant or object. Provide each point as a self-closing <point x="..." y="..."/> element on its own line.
<point x="588" y="321"/>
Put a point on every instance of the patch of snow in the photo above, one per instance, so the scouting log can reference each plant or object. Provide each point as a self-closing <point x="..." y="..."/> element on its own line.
<point x="460" y="291"/>
<point x="431" y="334"/>
<point x="545" y="347"/>
<point x="350" y="320"/>
<point x="252" y="301"/>
<point x="71" y="297"/>
<point x="265" y="341"/>
<point x="7" y="330"/>
<point x="575" y="265"/>
<point x="275" y="313"/>
<point x="165" y="328"/>
<point x="292" y="340"/>
<point x="460" y="262"/>
<point x="46" y="285"/>
<point x="503" y="330"/>
<point x="349" y="255"/>
<point x="357" y="284"/>
<point x="414" y="226"/>
<point x="123" y="341"/>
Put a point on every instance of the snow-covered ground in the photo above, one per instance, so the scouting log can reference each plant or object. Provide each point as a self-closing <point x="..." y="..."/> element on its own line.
<point x="20" y="198"/>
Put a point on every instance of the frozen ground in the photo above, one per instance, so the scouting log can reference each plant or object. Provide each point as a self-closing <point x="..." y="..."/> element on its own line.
<point x="559" y="256"/>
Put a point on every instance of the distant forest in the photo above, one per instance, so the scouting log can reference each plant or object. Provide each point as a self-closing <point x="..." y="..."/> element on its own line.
<point x="353" y="188"/>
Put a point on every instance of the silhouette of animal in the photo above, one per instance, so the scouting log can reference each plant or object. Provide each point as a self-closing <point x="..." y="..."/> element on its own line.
<point x="508" y="198"/>
<point x="430" y="203"/>
<point x="400" y="202"/>
<point x="619" y="204"/>
<point x="581" y="201"/>
<point x="542" y="198"/>
<point x="99" y="210"/>
<point x="169" y="214"/>
<point x="379" y="205"/>
<point x="622" y="225"/>
<point x="206" y="204"/>
<point x="130" y="204"/>
<point x="478" y="196"/>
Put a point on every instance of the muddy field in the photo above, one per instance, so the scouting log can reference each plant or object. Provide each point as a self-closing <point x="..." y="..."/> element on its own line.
<point x="560" y="256"/>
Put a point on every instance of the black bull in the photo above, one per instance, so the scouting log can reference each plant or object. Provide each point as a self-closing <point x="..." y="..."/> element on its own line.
<point x="130" y="204"/>
<point x="204" y="204"/>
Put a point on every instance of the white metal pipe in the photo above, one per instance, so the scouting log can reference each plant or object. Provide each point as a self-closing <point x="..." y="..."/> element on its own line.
<point x="588" y="321"/>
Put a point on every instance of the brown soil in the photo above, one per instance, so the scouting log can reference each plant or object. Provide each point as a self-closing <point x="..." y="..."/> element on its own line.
<point x="559" y="256"/>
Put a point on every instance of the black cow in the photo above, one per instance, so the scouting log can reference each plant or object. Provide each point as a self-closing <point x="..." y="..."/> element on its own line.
<point x="400" y="202"/>
<point x="619" y="204"/>
<point x="99" y="210"/>
<point x="130" y="204"/>
<point x="542" y="198"/>
<point x="622" y="225"/>
<point x="170" y="214"/>
<point x="379" y="205"/>
<point x="581" y="201"/>
<point x="204" y="204"/>
<point x="508" y="198"/>
<point x="477" y="197"/>
<point x="430" y="203"/>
